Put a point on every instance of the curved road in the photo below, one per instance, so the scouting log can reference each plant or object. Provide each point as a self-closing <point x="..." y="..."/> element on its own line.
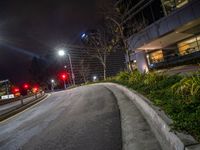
<point x="84" y="118"/>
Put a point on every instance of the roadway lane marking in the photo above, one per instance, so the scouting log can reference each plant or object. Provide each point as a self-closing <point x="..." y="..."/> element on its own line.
<point x="48" y="95"/>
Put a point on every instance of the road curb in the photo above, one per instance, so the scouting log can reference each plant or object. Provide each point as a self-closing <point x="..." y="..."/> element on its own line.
<point x="160" y="123"/>
<point x="11" y="113"/>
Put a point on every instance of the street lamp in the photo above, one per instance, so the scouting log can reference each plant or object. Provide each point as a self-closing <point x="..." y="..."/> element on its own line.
<point x="94" y="78"/>
<point x="52" y="84"/>
<point x="83" y="35"/>
<point x="62" y="53"/>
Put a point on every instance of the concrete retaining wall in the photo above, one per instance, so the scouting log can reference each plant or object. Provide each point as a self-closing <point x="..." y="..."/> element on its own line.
<point x="160" y="123"/>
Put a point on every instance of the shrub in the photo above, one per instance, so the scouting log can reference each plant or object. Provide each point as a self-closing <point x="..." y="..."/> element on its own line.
<point x="188" y="88"/>
<point x="153" y="78"/>
<point x="178" y="96"/>
<point x="122" y="77"/>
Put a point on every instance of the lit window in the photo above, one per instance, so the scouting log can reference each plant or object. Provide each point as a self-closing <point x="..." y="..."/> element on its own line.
<point x="171" y="5"/>
<point x="189" y="46"/>
<point x="156" y="56"/>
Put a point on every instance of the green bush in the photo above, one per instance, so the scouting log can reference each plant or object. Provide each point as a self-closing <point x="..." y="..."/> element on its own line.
<point x="188" y="88"/>
<point x="178" y="96"/>
<point x="123" y="77"/>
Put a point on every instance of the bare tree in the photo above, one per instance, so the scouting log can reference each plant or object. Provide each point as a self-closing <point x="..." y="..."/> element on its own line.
<point x="100" y="46"/>
<point x="117" y="26"/>
<point x="84" y="70"/>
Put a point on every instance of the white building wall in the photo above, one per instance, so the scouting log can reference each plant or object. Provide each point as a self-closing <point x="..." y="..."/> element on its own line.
<point x="142" y="63"/>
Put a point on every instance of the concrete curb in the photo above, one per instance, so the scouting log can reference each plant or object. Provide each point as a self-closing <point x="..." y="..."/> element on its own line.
<point x="20" y="109"/>
<point x="160" y="123"/>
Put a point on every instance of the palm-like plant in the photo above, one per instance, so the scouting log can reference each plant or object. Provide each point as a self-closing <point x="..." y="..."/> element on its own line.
<point x="188" y="86"/>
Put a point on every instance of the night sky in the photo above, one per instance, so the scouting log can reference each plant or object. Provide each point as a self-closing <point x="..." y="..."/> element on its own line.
<point x="32" y="27"/>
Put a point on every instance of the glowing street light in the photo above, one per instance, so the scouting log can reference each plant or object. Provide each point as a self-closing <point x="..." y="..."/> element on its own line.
<point x="52" y="84"/>
<point x="35" y="89"/>
<point x="94" y="78"/>
<point x="83" y="35"/>
<point x="62" y="53"/>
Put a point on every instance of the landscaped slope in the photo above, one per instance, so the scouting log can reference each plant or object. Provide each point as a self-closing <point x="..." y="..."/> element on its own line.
<point x="178" y="96"/>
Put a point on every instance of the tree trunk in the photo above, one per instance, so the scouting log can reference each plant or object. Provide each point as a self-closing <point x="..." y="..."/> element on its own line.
<point x="84" y="78"/>
<point x="129" y="65"/>
<point x="104" y="72"/>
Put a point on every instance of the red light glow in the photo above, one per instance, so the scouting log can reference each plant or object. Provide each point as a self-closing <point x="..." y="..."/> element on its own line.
<point x="26" y="86"/>
<point x="16" y="90"/>
<point x="63" y="76"/>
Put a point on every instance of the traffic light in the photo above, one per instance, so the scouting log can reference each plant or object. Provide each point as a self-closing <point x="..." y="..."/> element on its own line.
<point x="26" y="86"/>
<point x="16" y="90"/>
<point x="64" y="76"/>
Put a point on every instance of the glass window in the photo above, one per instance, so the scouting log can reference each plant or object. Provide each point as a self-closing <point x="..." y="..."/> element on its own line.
<point x="198" y="37"/>
<point x="198" y="40"/>
<point x="180" y="3"/>
<point x="170" y="5"/>
<point x="188" y="46"/>
<point x="156" y="56"/>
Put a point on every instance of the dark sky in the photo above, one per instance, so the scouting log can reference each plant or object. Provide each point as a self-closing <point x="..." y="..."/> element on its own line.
<point x="32" y="27"/>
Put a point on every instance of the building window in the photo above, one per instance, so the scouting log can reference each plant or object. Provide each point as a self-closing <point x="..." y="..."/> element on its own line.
<point x="189" y="46"/>
<point x="171" y="5"/>
<point x="198" y="41"/>
<point x="156" y="56"/>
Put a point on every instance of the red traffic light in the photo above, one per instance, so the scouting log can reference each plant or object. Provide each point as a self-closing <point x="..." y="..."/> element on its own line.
<point x="16" y="90"/>
<point x="63" y="76"/>
<point x="26" y="86"/>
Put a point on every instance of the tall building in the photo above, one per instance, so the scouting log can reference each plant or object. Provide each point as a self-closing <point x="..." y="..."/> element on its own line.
<point x="161" y="33"/>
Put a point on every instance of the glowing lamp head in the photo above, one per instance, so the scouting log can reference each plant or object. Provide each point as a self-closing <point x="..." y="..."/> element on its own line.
<point x="61" y="52"/>
<point x="35" y="89"/>
<point x="83" y="35"/>
<point x="94" y="78"/>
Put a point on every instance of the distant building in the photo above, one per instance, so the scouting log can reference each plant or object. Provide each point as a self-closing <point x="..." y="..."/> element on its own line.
<point x="4" y="87"/>
<point x="162" y="33"/>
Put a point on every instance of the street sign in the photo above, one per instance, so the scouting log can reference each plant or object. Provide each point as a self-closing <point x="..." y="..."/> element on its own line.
<point x="10" y="96"/>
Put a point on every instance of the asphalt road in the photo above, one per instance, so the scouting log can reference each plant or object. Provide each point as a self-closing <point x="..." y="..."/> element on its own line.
<point x="84" y="118"/>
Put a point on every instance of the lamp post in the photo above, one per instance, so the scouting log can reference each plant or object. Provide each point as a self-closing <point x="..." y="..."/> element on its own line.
<point x="52" y="84"/>
<point x="70" y="78"/>
<point x="62" y="53"/>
